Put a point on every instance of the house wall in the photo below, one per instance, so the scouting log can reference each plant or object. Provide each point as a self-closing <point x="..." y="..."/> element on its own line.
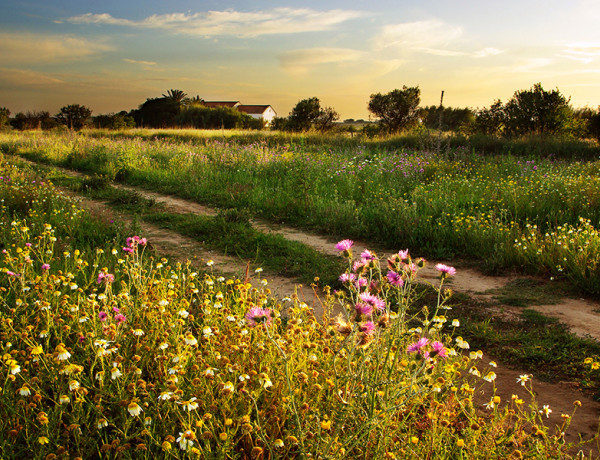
<point x="267" y="115"/>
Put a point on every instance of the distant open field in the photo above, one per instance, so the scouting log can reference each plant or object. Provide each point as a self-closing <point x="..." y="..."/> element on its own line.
<point x="529" y="213"/>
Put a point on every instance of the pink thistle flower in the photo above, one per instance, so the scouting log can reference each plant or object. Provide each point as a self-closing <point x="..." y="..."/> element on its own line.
<point x="358" y="266"/>
<point x="129" y="250"/>
<point x="105" y="277"/>
<point x="361" y="283"/>
<point x="445" y="269"/>
<point x="403" y="255"/>
<point x="257" y="315"/>
<point x="102" y="316"/>
<point x="120" y="318"/>
<point x="418" y="345"/>
<point x="28" y="245"/>
<point x="367" y="327"/>
<point x="347" y="277"/>
<point x="344" y="245"/>
<point x="367" y="255"/>
<point x="437" y="350"/>
<point x="363" y="308"/>
<point x="411" y="268"/>
<point x="45" y="266"/>
<point x="395" y="279"/>
<point x="372" y="300"/>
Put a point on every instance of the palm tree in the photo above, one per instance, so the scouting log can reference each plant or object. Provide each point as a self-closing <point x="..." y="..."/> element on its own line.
<point x="176" y="95"/>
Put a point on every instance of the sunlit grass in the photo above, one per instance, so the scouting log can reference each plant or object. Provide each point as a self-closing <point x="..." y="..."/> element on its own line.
<point x="509" y="212"/>
<point x="114" y="351"/>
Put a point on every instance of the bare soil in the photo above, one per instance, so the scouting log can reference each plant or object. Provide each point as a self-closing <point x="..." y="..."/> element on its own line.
<point x="582" y="316"/>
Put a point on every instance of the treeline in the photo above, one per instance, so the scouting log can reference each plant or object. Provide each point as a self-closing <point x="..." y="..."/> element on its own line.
<point x="534" y="111"/>
<point x="172" y="110"/>
<point x="529" y="112"/>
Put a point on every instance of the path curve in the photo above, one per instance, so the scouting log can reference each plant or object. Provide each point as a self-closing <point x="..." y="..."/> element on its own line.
<point x="559" y="396"/>
<point x="580" y="315"/>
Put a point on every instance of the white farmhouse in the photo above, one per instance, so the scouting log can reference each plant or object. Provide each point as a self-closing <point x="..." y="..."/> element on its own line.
<point x="261" y="112"/>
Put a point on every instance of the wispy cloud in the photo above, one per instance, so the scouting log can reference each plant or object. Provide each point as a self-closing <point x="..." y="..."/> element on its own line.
<point x="142" y="63"/>
<point x="12" y="78"/>
<point x="584" y="52"/>
<point x="300" y="61"/>
<point x="417" y="36"/>
<point x="485" y="52"/>
<point x="231" y="22"/>
<point x="34" y="48"/>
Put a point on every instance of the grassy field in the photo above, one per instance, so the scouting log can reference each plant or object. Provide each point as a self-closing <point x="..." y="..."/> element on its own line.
<point x="109" y="350"/>
<point x="530" y="214"/>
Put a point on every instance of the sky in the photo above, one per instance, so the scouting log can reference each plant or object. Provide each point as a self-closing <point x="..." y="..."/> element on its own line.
<point x="113" y="55"/>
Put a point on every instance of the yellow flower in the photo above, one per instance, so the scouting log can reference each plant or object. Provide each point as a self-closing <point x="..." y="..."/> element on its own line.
<point x="326" y="425"/>
<point x="223" y="436"/>
<point x="37" y="350"/>
<point x="43" y="440"/>
<point x="166" y="446"/>
<point x="460" y="443"/>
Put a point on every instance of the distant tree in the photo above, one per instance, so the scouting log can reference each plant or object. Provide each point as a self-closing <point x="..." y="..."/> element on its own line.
<point x="280" y="124"/>
<point x="398" y="109"/>
<point x="537" y="111"/>
<point x="326" y="119"/>
<point x="121" y="120"/>
<point x="4" y="117"/>
<point x="307" y="114"/>
<point x="176" y="95"/>
<point x="33" y="120"/>
<point x="594" y="125"/>
<point x="452" y="119"/>
<point x="196" y="100"/>
<point x="202" y="117"/>
<point x="157" y="113"/>
<point x="490" y="121"/>
<point x="74" y="116"/>
<point x="304" y="114"/>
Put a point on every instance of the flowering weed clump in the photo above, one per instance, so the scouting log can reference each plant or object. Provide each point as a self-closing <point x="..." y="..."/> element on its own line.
<point x="499" y="209"/>
<point x="148" y="358"/>
<point x="113" y="352"/>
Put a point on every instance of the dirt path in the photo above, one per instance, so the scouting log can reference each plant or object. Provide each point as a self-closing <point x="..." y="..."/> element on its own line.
<point x="581" y="316"/>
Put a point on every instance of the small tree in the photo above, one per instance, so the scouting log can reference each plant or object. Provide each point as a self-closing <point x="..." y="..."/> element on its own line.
<point x="178" y="97"/>
<point x="594" y="125"/>
<point x="537" y="111"/>
<point x="74" y="116"/>
<point x="33" y="120"/>
<point x="304" y="114"/>
<point x="4" y="117"/>
<point x="327" y="117"/>
<point x="121" y="120"/>
<point x="159" y="112"/>
<point x="490" y="121"/>
<point x="398" y="109"/>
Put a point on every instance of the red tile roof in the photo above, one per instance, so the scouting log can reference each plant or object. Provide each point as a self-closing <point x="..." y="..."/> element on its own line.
<point x="254" y="109"/>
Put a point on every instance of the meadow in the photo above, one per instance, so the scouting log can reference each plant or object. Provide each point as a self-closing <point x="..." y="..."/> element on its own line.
<point x="111" y="351"/>
<point x="531" y="214"/>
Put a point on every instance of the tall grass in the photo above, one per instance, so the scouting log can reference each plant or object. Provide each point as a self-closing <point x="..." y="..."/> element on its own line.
<point x="112" y="352"/>
<point x="457" y="203"/>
